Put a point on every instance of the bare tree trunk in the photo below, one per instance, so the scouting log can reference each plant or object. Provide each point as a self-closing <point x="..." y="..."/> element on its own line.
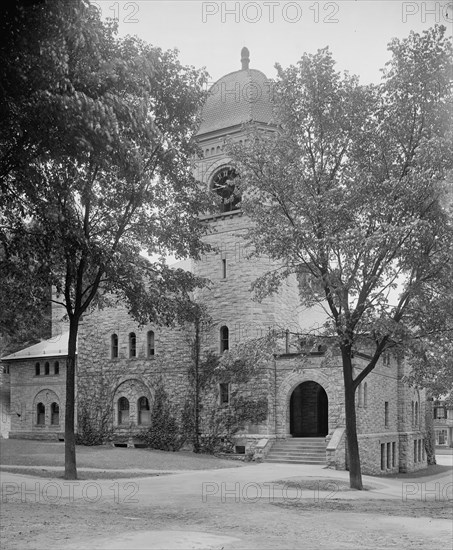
<point x="70" y="469"/>
<point x="355" y="473"/>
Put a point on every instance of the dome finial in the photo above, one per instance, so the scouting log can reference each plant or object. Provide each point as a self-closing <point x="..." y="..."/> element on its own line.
<point x="245" y="58"/>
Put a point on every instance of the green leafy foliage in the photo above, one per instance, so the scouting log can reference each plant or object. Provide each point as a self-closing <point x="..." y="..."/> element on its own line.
<point x="97" y="140"/>
<point x="165" y="432"/>
<point x="349" y="192"/>
<point x="95" y="409"/>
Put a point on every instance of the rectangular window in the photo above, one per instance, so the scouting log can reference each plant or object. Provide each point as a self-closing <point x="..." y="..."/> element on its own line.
<point x="224" y="339"/>
<point x="382" y="456"/>
<point x="132" y="345"/>
<point x="114" y="346"/>
<point x="389" y="455"/>
<point x="419" y="450"/>
<point x="393" y="454"/>
<point x="224" y="269"/>
<point x="151" y="350"/>
<point x="386" y="414"/>
<point x="224" y="394"/>
<point x="415" y="451"/>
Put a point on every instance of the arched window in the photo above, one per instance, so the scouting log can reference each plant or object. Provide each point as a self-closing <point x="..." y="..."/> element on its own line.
<point x="223" y="185"/>
<point x="40" y="414"/>
<point x="37" y="369"/>
<point x="150" y="343"/>
<point x="54" y="414"/>
<point x="114" y="346"/>
<point x="365" y="394"/>
<point x="224" y="339"/>
<point x="123" y="410"/>
<point x="144" y="413"/>
<point x="56" y="367"/>
<point x="46" y="368"/>
<point x="132" y="345"/>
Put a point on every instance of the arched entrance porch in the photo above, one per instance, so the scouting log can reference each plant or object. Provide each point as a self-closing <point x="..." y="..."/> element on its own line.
<point x="309" y="410"/>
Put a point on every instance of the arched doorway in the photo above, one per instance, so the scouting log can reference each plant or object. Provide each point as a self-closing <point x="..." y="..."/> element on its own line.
<point x="309" y="410"/>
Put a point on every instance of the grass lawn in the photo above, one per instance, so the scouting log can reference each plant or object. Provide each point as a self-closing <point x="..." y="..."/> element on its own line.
<point x="51" y="453"/>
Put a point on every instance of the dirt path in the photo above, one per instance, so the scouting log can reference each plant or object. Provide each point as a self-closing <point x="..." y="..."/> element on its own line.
<point x="251" y="507"/>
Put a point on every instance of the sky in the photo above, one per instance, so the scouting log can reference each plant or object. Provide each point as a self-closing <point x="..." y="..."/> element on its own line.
<point x="211" y="34"/>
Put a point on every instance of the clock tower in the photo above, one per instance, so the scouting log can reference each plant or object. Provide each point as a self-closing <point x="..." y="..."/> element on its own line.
<point x="240" y="97"/>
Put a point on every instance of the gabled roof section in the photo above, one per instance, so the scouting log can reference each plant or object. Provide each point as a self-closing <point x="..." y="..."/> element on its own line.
<point x="57" y="346"/>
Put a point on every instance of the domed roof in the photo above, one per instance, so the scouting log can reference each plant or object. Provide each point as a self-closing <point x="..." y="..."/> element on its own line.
<point x="236" y="98"/>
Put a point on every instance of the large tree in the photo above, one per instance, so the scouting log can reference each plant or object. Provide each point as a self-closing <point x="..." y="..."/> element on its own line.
<point x="96" y="167"/>
<point x="347" y="192"/>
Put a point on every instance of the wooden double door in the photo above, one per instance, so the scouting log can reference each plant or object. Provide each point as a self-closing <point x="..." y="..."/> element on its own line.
<point x="309" y="411"/>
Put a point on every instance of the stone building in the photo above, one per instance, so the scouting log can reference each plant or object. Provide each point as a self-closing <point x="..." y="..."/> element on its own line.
<point x="120" y="363"/>
<point x="37" y="389"/>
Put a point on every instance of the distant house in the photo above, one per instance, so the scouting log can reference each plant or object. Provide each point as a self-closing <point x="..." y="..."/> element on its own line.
<point x="443" y="423"/>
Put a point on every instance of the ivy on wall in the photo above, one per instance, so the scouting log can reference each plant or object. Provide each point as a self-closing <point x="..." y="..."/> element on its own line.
<point x="165" y="432"/>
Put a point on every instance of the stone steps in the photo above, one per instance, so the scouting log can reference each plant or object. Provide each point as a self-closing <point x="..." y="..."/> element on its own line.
<point x="306" y="450"/>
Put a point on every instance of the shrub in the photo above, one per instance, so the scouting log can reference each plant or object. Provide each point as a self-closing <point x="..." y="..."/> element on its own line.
<point x="165" y="432"/>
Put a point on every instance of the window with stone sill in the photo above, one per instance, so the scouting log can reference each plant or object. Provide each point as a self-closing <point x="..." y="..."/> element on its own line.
<point x="55" y="414"/>
<point x="114" y="346"/>
<point x="40" y="414"/>
<point x="150" y="344"/>
<point x="123" y="410"/>
<point x="224" y="339"/>
<point x="37" y="369"/>
<point x="46" y="368"/>
<point x="132" y="345"/>
<point x="386" y="414"/>
<point x="144" y="412"/>
<point x="56" y="368"/>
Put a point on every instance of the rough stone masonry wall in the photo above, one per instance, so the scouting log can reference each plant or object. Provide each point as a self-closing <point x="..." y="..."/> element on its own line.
<point x="132" y="377"/>
<point x="230" y="303"/>
<point x="384" y="447"/>
<point x="229" y="298"/>
<point x="294" y="369"/>
<point x="28" y="389"/>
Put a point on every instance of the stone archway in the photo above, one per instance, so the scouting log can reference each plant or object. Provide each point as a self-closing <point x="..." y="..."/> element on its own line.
<point x="308" y="410"/>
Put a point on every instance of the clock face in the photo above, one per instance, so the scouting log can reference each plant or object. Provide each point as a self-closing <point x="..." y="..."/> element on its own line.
<point x="223" y="185"/>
